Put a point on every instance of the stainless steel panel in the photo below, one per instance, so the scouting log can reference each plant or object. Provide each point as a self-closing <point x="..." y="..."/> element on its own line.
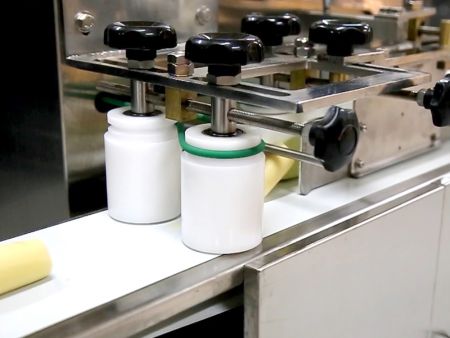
<point x="394" y="129"/>
<point x="441" y="310"/>
<point x="375" y="279"/>
<point x="181" y="14"/>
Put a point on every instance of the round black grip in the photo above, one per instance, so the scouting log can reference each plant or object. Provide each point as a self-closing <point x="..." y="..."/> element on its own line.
<point x="340" y="35"/>
<point x="271" y="28"/>
<point x="335" y="137"/>
<point x="438" y="101"/>
<point x="224" y="53"/>
<point x="141" y="39"/>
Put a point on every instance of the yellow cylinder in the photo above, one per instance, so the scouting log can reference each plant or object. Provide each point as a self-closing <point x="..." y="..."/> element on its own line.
<point x="275" y="169"/>
<point x="445" y="34"/>
<point x="22" y="263"/>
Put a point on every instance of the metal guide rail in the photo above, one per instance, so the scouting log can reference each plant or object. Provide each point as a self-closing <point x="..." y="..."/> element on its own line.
<point x="370" y="80"/>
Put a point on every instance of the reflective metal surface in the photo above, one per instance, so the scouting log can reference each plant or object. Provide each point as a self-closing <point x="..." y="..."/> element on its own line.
<point x="370" y="279"/>
<point x="138" y="98"/>
<point x="381" y="80"/>
<point x="179" y="14"/>
<point x="397" y="129"/>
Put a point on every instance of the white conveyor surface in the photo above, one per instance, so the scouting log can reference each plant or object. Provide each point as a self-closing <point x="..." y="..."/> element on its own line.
<point x="96" y="259"/>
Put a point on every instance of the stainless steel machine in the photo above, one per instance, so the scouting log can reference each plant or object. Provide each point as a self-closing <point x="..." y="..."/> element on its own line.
<point x="357" y="244"/>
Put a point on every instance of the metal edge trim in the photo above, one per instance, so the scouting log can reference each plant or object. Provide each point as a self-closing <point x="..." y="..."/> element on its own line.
<point x="338" y="228"/>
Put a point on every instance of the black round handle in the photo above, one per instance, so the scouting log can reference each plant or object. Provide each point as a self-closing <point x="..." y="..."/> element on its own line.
<point x="224" y="53"/>
<point x="340" y="35"/>
<point x="141" y="39"/>
<point x="271" y="28"/>
<point x="438" y="101"/>
<point x="335" y="137"/>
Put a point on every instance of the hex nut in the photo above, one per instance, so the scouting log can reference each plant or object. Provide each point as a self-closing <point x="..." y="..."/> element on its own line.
<point x="224" y="80"/>
<point x="180" y="70"/>
<point x="304" y="51"/>
<point x="177" y="58"/>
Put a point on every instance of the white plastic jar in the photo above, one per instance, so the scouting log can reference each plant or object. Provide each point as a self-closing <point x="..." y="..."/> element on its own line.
<point x="222" y="199"/>
<point x="142" y="156"/>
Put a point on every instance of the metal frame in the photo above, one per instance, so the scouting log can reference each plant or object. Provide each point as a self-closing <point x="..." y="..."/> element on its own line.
<point x="153" y="305"/>
<point x="370" y="80"/>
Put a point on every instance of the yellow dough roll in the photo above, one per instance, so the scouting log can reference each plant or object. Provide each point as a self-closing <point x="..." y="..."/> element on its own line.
<point x="276" y="168"/>
<point x="22" y="263"/>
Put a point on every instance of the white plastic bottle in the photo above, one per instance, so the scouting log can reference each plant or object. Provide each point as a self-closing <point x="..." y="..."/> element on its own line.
<point x="142" y="156"/>
<point x="222" y="199"/>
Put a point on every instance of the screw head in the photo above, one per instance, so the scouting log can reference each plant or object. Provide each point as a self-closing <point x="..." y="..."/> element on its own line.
<point x="360" y="163"/>
<point x="203" y="15"/>
<point x="413" y="5"/>
<point x="84" y="21"/>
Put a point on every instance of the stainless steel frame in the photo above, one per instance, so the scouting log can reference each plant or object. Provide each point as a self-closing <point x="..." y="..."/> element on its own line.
<point x="370" y="80"/>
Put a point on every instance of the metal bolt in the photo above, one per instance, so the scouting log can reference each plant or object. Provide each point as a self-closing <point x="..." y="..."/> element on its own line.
<point x="303" y="47"/>
<point x="203" y="15"/>
<point x="84" y="21"/>
<point x="363" y="127"/>
<point x="302" y="42"/>
<point x="413" y="5"/>
<point x="359" y="163"/>
<point x="178" y="65"/>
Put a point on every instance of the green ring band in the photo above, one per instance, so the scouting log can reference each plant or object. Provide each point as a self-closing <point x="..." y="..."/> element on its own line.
<point x="219" y="154"/>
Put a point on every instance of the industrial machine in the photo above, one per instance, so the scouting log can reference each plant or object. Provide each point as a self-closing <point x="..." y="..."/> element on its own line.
<point x="354" y="113"/>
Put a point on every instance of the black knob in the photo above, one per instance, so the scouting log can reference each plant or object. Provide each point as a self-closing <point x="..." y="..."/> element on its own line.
<point x="438" y="101"/>
<point x="224" y="53"/>
<point x="271" y="29"/>
<point x="335" y="137"/>
<point x="141" y="39"/>
<point x="340" y="35"/>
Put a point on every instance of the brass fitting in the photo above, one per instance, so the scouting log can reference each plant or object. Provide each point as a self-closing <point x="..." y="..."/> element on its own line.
<point x="445" y="34"/>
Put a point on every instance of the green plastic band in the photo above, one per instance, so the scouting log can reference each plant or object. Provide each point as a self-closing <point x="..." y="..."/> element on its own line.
<point x="219" y="154"/>
<point x="203" y="118"/>
<point x="115" y="102"/>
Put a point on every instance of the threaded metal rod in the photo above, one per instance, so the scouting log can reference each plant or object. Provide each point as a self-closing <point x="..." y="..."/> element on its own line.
<point x="257" y="120"/>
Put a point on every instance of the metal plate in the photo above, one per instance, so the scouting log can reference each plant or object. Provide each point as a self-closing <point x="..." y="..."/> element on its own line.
<point x="394" y="130"/>
<point x="441" y="311"/>
<point x="178" y="13"/>
<point x="375" y="279"/>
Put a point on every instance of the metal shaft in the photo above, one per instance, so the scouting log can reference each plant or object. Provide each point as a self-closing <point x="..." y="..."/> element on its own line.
<point x="252" y="119"/>
<point x="138" y="98"/>
<point x="220" y="122"/>
<point x="295" y="155"/>
<point x="429" y="30"/>
<point x="326" y="6"/>
<point x="410" y="95"/>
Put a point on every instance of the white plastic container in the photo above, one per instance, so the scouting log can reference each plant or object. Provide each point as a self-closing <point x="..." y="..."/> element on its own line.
<point x="142" y="156"/>
<point x="222" y="199"/>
